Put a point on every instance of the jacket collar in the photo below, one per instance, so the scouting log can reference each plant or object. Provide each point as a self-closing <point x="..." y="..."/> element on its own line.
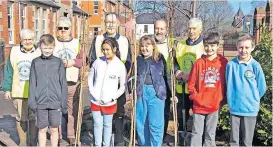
<point x="46" y="58"/>
<point x="192" y="43"/>
<point x="62" y="40"/>
<point x="116" y="36"/>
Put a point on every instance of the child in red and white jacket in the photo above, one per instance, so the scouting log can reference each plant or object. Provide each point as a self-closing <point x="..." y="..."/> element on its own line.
<point x="106" y="83"/>
<point x="207" y="89"/>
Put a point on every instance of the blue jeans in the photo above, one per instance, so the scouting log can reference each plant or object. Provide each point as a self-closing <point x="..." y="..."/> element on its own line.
<point x="102" y="123"/>
<point x="150" y="118"/>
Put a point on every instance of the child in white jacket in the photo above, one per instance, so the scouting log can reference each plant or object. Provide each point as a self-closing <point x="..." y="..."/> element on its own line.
<point x="106" y="81"/>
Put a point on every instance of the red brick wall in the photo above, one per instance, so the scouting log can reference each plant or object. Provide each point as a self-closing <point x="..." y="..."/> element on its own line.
<point x="16" y="23"/>
<point x="4" y="9"/>
<point x="30" y="15"/>
<point x="50" y="23"/>
<point x="66" y="2"/>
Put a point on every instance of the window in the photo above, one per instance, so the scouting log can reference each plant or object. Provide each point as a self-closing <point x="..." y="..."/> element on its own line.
<point x="23" y="16"/>
<point x="44" y="21"/>
<point x="96" y="7"/>
<point x="37" y="24"/>
<point x="10" y="23"/>
<point x="145" y="28"/>
<point x="96" y="31"/>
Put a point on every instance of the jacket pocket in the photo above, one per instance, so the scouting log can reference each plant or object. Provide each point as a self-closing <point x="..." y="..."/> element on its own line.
<point x="208" y="100"/>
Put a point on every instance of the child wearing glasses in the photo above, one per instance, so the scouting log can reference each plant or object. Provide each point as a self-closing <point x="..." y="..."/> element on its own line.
<point x="48" y="90"/>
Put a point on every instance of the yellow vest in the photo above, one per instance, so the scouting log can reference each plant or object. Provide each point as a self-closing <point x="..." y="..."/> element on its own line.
<point x="21" y="63"/>
<point x="186" y="56"/>
<point x="68" y="51"/>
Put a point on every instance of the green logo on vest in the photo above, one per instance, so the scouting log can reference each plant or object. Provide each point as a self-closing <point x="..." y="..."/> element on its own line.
<point x="188" y="60"/>
<point x="24" y="70"/>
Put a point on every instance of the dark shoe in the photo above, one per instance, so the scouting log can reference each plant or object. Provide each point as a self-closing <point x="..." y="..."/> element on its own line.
<point x="72" y="141"/>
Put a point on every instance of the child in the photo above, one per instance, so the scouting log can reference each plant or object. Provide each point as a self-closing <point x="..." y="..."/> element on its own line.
<point x="207" y="90"/>
<point x="151" y="93"/>
<point x="106" y="83"/>
<point x="48" y="90"/>
<point x="245" y="87"/>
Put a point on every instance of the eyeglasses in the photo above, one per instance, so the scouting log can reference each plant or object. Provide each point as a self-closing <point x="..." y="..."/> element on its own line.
<point x="27" y="40"/>
<point x="63" y="28"/>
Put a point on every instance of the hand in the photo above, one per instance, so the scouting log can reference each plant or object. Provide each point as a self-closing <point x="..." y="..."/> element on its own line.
<point x="70" y="63"/>
<point x="185" y="76"/>
<point x="65" y="63"/>
<point x="130" y="96"/>
<point x="7" y="95"/>
<point x="179" y="74"/>
<point x="190" y="112"/>
<point x="175" y="99"/>
<point x="103" y="102"/>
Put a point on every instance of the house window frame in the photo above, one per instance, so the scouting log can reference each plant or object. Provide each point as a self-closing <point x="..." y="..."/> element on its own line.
<point x="44" y="21"/>
<point x="10" y="23"/>
<point x="96" y="32"/>
<point x="96" y="7"/>
<point x="146" y="29"/>
<point x="23" y="16"/>
<point x="37" y="22"/>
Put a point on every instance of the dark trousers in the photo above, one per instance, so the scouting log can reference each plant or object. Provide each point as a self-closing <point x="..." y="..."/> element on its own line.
<point x="118" y="125"/>
<point x="187" y="103"/>
<point x="167" y="113"/>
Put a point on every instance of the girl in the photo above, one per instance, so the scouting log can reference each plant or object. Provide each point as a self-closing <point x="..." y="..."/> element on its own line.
<point x="106" y="75"/>
<point x="151" y="93"/>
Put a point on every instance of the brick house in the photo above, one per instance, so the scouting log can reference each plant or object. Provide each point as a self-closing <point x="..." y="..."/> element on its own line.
<point x="263" y="17"/>
<point x="41" y="16"/>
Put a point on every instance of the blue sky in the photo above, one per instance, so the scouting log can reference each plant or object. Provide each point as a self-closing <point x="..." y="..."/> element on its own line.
<point x="245" y="5"/>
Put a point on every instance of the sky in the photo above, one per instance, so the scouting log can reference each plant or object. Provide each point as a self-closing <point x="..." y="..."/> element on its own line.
<point x="246" y="6"/>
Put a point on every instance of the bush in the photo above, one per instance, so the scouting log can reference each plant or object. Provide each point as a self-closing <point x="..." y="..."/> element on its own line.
<point x="263" y="130"/>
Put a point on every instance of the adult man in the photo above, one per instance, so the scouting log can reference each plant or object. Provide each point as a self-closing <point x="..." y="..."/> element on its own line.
<point x="67" y="48"/>
<point x="16" y="85"/>
<point x="160" y="35"/>
<point x="112" y="23"/>
<point x="187" y="52"/>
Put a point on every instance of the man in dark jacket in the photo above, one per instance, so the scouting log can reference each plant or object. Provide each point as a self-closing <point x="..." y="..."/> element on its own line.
<point x="48" y="90"/>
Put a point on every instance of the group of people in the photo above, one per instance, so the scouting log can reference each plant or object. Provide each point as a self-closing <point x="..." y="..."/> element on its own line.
<point x="48" y="75"/>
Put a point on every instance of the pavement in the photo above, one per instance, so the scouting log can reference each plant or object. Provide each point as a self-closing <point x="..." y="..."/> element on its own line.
<point x="8" y="121"/>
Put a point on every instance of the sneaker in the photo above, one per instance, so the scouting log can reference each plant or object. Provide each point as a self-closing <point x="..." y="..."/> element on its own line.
<point x="72" y="141"/>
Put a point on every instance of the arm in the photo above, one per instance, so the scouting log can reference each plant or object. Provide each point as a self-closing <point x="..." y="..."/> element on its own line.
<point x="8" y="73"/>
<point x="91" y="79"/>
<point x="64" y="88"/>
<point x="32" y="87"/>
<point x="130" y="82"/>
<point x="78" y="61"/>
<point x="129" y="58"/>
<point x="92" y="53"/>
<point x="122" y="82"/>
<point x="261" y="83"/>
<point x="167" y="76"/>
<point x="193" y="82"/>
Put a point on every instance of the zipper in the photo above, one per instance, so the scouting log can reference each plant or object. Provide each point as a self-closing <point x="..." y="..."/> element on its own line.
<point x="46" y="85"/>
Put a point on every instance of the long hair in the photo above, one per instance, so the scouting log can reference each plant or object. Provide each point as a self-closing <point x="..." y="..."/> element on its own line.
<point x="146" y="38"/>
<point x="113" y="43"/>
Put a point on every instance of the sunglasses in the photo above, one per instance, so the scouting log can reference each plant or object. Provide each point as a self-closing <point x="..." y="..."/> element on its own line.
<point x="63" y="28"/>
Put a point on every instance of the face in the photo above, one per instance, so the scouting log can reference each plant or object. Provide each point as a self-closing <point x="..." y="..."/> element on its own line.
<point x="111" y="24"/>
<point x="108" y="52"/>
<point x="27" y="42"/>
<point x="47" y="50"/>
<point x="211" y="49"/>
<point x="63" y="30"/>
<point x="244" y="48"/>
<point x="146" y="48"/>
<point x="194" y="31"/>
<point x="160" y="30"/>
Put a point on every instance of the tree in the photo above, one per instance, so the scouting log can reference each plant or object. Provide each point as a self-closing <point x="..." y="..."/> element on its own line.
<point x="263" y="54"/>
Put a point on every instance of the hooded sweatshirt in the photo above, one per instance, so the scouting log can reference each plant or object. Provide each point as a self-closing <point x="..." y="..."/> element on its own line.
<point x="206" y="84"/>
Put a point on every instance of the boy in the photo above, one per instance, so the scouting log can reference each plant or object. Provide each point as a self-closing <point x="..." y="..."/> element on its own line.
<point x="206" y="87"/>
<point x="48" y="90"/>
<point x="245" y="87"/>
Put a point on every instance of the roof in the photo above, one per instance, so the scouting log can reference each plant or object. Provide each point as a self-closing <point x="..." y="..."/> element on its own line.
<point x="147" y="18"/>
<point x="47" y="2"/>
<point x="78" y="10"/>
<point x="259" y="10"/>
